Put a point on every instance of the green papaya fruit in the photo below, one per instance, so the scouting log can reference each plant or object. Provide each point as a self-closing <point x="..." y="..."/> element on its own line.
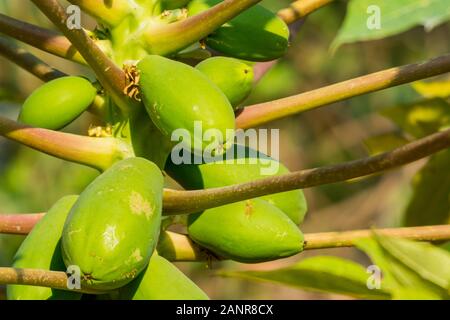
<point x="232" y="76"/>
<point x="246" y="165"/>
<point x="57" y="103"/>
<point x="257" y="34"/>
<point x="162" y="281"/>
<point x="249" y="231"/>
<point x="41" y="250"/>
<point x="173" y="4"/>
<point x="178" y="96"/>
<point x="112" y="229"/>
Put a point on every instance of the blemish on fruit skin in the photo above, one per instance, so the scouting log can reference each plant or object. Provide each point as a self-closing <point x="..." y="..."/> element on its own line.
<point x="248" y="208"/>
<point x="139" y="205"/>
<point x="71" y="233"/>
<point x="110" y="239"/>
<point x="135" y="257"/>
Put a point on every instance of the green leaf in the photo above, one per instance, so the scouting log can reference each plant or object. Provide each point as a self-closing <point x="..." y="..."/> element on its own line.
<point x="321" y="273"/>
<point x="399" y="279"/>
<point x="384" y="142"/>
<point x="377" y="19"/>
<point x="430" y="202"/>
<point x="430" y="262"/>
<point x="420" y="118"/>
<point x="433" y="89"/>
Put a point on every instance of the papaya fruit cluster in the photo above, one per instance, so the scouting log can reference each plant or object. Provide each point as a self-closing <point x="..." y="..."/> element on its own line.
<point x="110" y="231"/>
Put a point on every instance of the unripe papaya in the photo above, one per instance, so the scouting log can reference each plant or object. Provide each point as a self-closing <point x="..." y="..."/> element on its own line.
<point x="112" y="229"/>
<point x="257" y="34"/>
<point x="57" y="103"/>
<point x="248" y="231"/>
<point x="41" y="250"/>
<point x="178" y="96"/>
<point x="232" y="76"/>
<point x="162" y="281"/>
<point x="173" y="4"/>
<point x="254" y="166"/>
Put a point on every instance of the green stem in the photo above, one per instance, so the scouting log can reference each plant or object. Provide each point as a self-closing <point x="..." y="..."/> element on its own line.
<point x="107" y="12"/>
<point x="349" y="238"/>
<point x="166" y="39"/>
<point x="300" y="9"/>
<point x="179" y="247"/>
<point x="177" y="202"/>
<point x="37" y="277"/>
<point x="262" y="113"/>
<point x="111" y="77"/>
<point x="41" y="38"/>
<point x="98" y="153"/>
<point x="28" y="61"/>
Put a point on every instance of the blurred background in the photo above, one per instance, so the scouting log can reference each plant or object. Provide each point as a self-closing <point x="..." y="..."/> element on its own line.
<point x="32" y="182"/>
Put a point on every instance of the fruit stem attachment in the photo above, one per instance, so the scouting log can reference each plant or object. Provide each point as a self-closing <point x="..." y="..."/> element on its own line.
<point x="262" y="113"/>
<point x="178" y="202"/>
<point x="98" y="153"/>
<point x="107" y="12"/>
<point x="41" y="38"/>
<point x="166" y="39"/>
<point x="111" y="77"/>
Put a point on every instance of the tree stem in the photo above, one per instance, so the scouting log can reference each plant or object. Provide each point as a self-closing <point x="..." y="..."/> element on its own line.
<point x="300" y="9"/>
<point x="41" y="38"/>
<point x="37" y="277"/>
<point x="98" y="153"/>
<point x="109" y="75"/>
<point x="170" y="38"/>
<point x="262" y="113"/>
<point x="177" y="202"/>
<point x="28" y="61"/>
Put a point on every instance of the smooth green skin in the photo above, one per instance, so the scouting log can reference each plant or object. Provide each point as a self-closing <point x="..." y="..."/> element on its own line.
<point x="214" y="174"/>
<point x="175" y="95"/>
<point x="57" y="103"/>
<point x="162" y="281"/>
<point x="232" y="76"/>
<point x="41" y="250"/>
<point x="113" y="228"/>
<point x="249" y="231"/>
<point x="173" y="4"/>
<point x="257" y="34"/>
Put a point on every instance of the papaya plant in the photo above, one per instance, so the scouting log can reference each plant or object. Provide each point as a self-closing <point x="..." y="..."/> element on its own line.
<point x="168" y="84"/>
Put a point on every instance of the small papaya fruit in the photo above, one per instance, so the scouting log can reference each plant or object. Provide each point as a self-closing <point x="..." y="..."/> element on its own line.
<point x="161" y="281"/>
<point x="41" y="250"/>
<point x="57" y="103"/>
<point x="112" y="229"/>
<point x="249" y="231"/>
<point x="178" y="96"/>
<point x="257" y="34"/>
<point x="245" y="165"/>
<point x="232" y="76"/>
